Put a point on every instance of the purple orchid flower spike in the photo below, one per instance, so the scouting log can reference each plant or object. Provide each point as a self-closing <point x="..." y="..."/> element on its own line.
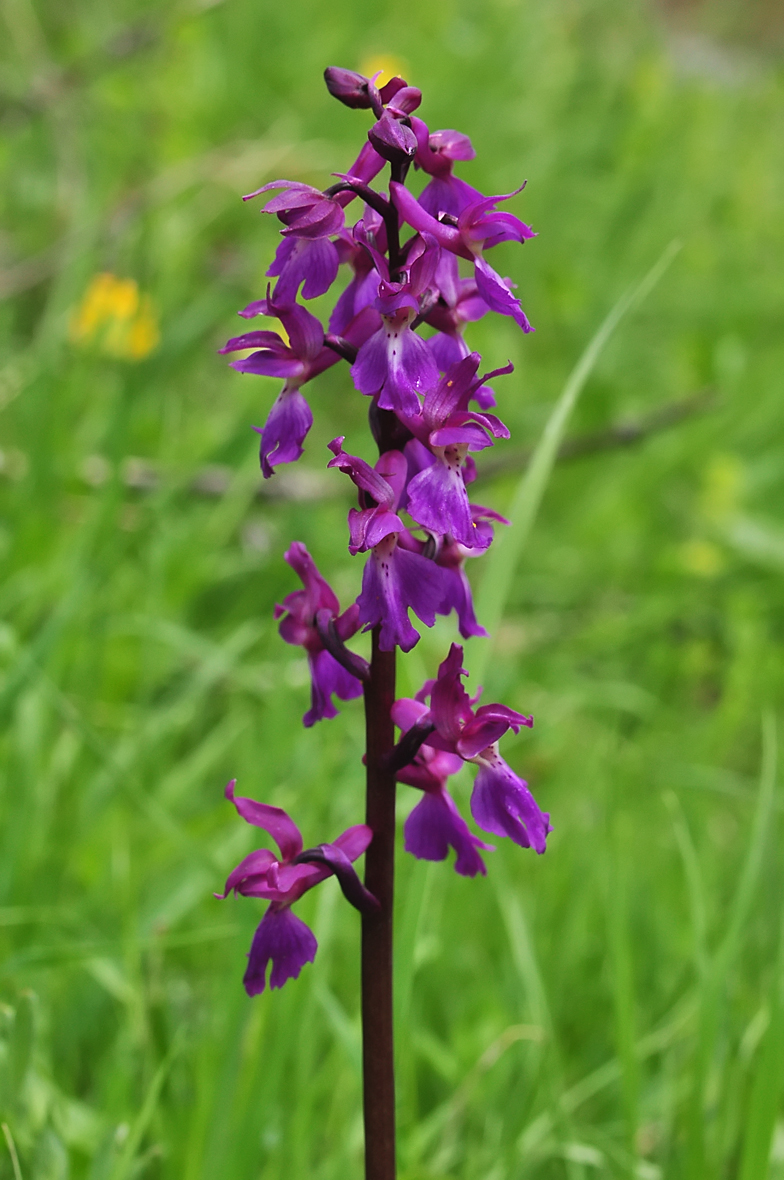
<point x="478" y="226"/>
<point x="437" y="152"/>
<point x="501" y="802"/>
<point x="437" y="496"/>
<point x="435" y="824"/>
<point x="394" y="579"/>
<point x="299" y="626"/>
<point x="281" y="937"/>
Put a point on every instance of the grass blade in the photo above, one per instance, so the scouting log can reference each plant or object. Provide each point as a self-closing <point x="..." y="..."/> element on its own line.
<point x="501" y="561"/>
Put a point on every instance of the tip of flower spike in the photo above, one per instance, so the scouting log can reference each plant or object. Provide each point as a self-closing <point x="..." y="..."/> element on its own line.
<point x="229" y="791"/>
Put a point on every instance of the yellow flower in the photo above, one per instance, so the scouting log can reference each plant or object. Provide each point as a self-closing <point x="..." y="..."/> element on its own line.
<point x="388" y="66"/>
<point x="116" y="319"/>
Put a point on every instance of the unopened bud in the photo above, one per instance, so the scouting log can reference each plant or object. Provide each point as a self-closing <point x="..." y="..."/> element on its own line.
<point x="393" y="140"/>
<point x="353" y="90"/>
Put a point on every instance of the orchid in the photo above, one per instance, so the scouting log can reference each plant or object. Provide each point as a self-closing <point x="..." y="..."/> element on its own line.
<point x="300" y="615"/>
<point x="501" y="802"/>
<point x="414" y="526"/>
<point x="281" y="937"/>
<point x="435" y="824"/>
<point x="479" y="226"/>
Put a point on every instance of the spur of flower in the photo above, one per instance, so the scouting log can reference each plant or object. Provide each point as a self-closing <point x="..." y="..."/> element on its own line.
<point x="281" y="937"/>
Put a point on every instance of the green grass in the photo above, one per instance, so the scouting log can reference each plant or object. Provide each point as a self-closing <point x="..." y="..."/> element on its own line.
<point x="613" y="1009"/>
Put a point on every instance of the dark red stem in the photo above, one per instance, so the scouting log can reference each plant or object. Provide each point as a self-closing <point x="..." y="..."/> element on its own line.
<point x="377" y="1034"/>
<point x="378" y="1045"/>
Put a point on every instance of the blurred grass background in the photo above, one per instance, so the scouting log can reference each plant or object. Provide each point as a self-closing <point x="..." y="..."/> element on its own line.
<point x="613" y="1009"/>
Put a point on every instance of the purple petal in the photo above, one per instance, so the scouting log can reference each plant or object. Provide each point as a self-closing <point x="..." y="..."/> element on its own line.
<point x="453" y="145"/>
<point x="487" y="727"/>
<point x="354" y="840"/>
<point x="447" y="194"/>
<point x="497" y="295"/>
<point x="284" y="939"/>
<point x="459" y="599"/>
<point x="449" y="701"/>
<point x="405" y="99"/>
<point x="304" y="331"/>
<point x="369" y="371"/>
<point x="355" y="90"/>
<point x="438" y="500"/>
<point x="328" y="677"/>
<point x="320" y="595"/>
<point x="285" y="430"/>
<point x="450" y="391"/>
<point x="254" y="865"/>
<point x="448" y="348"/>
<point x="298" y="260"/>
<point x="392" y="139"/>
<point x="411" y="370"/>
<point x="271" y="364"/>
<point x="257" y="307"/>
<point x="367" y="165"/>
<point x="434" y="825"/>
<point x="501" y="803"/>
<point x="264" y="339"/>
<point x="418" y="218"/>
<point x="361" y="473"/>
<point x="407" y="712"/>
<point x="393" y="581"/>
<point x="274" y="820"/>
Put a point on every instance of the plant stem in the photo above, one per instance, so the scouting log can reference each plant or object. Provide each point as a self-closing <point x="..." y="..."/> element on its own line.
<point x="377" y="1033"/>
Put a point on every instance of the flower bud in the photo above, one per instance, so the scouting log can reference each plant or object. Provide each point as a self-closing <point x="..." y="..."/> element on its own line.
<point x="352" y="89"/>
<point x="393" y="140"/>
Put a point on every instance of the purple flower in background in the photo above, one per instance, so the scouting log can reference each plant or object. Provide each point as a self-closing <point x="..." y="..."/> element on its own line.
<point x="501" y="802"/>
<point x="282" y="938"/>
<point x="435" y="824"/>
<point x="298" y="626"/>
<point x="478" y="226"/>
<point x="394" y="579"/>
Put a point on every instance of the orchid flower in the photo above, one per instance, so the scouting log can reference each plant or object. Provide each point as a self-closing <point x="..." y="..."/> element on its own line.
<point x="281" y="937"/>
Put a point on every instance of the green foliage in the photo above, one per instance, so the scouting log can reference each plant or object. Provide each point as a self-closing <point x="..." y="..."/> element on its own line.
<point x="612" y="1009"/>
